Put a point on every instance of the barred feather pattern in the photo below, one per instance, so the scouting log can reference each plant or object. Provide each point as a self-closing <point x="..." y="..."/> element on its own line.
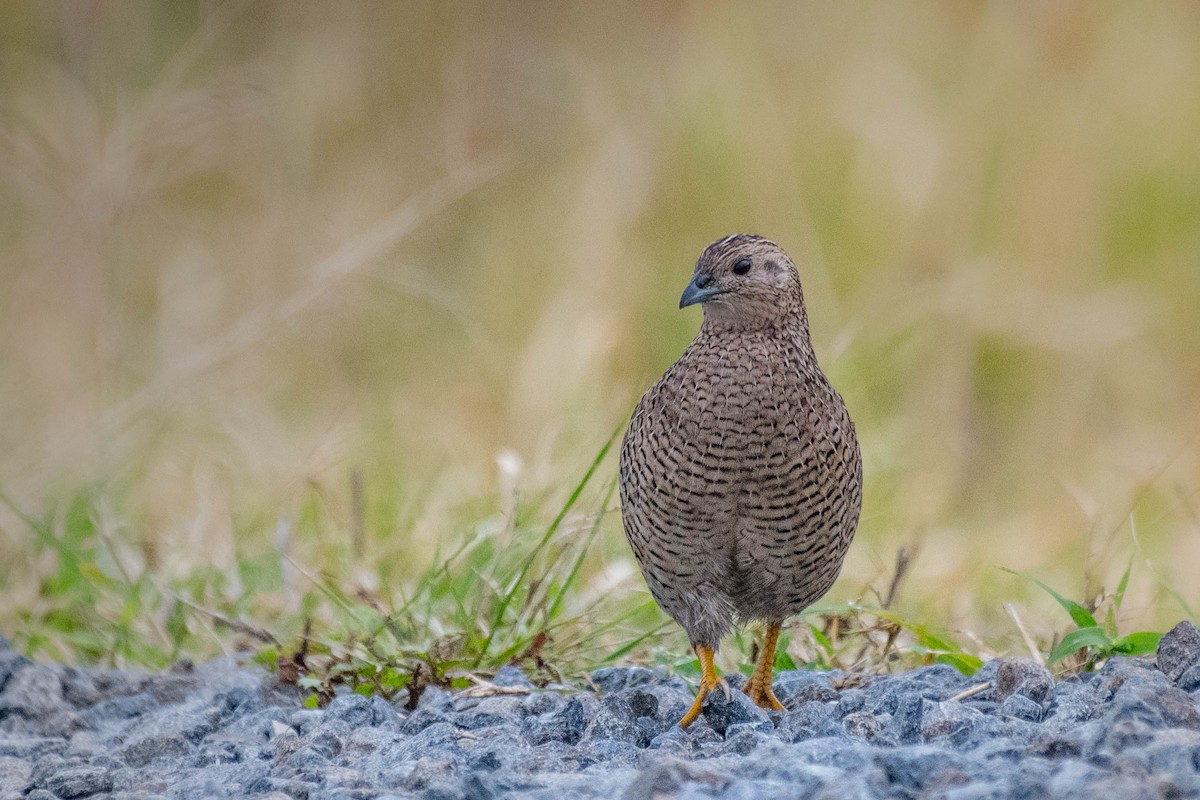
<point x="740" y="473"/>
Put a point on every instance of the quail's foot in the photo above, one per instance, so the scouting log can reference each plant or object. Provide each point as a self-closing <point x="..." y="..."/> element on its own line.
<point x="758" y="688"/>
<point x="708" y="682"/>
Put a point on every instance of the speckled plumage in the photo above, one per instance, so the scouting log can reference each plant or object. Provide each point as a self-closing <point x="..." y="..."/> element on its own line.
<point x="740" y="474"/>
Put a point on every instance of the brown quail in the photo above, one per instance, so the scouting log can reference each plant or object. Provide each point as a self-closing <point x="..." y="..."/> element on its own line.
<point x="740" y="475"/>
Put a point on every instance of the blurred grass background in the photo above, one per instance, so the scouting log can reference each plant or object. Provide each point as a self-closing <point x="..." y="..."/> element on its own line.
<point x="321" y="289"/>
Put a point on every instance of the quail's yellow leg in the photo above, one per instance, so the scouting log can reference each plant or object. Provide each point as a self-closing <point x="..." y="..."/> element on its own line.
<point x="708" y="682"/>
<point x="758" y="688"/>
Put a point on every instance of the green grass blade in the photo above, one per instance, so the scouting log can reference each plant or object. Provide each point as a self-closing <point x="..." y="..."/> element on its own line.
<point x="556" y="606"/>
<point x="1119" y="597"/>
<point x="1110" y="616"/>
<point x="1092" y="636"/>
<point x="629" y="646"/>
<point x="516" y="585"/>
<point x="1079" y="615"/>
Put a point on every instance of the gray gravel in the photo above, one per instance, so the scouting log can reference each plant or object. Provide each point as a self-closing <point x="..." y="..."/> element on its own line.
<point x="1130" y="730"/>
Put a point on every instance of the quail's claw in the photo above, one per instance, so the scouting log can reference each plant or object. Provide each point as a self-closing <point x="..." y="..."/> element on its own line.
<point x="758" y="688"/>
<point x="708" y="682"/>
<point x="697" y="706"/>
<point x="763" y="697"/>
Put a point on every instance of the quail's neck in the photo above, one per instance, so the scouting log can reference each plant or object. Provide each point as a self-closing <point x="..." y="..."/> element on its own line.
<point x="790" y="328"/>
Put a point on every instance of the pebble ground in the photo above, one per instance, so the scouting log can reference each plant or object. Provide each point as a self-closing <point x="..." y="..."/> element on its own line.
<point x="1130" y="730"/>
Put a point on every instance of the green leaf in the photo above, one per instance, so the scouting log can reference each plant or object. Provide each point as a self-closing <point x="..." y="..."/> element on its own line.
<point x="963" y="662"/>
<point x="1137" y="644"/>
<point x="1079" y="615"/>
<point x="1089" y="637"/>
<point x="392" y="678"/>
<point x="821" y="639"/>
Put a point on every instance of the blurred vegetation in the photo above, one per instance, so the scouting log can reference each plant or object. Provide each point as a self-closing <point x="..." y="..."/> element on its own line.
<point x="298" y="301"/>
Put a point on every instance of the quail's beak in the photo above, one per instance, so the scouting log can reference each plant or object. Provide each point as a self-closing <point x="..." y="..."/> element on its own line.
<point x="703" y="287"/>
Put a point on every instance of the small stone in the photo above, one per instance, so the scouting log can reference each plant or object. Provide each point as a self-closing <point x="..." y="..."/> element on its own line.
<point x="566" y="725"/>
<point x="800" y="686"/>
<point x="31" y="747"/>
<point x="14" y="774"/>
<point x="441" y="738"/>
<point x="476" y="788"/>
<point x="1080" y="740"/>
<point x="615" y="720"/>
<point x="475" y="720"/>
<point x="79" y="781"/>
<point x="918" y="769"/>
<point x="32" y="692"/>
<point x="126" y="707"/>
<point x="1178" y="650"/>
<point x="11" y="662"/>
<point x="811" y="718"/>
<point x="856" y="700"/>
<point x="1022" y="676"/>
<point x="1124" y="734"/>
<point x="722" y="712"/>
<point x="435" y="699"/>
<point x="1174" y="751"/>
<point x="938" y="676"/>
<point x="1058" y="746"/>
<point x="614" y="679"/>
<point x="143" y="750"/>
<point x="549" y="757"/>
<point x="612" y="752"/>
<point x="668" y="779"/>
<point x="172" y="688"/>
<point x="1189" y="681"/>
<point x="501" y="750"/>
<point x="238" y="701"/>
<point x="1176" y="707"/>
<point x="673" y="740"/>
<point x="507" y="706"/>
<point x="1072" y="702"/>
<point x="79" y="688"/>
<point x="542" y="703"/>
<point x="293" y="789"/>
<point x="420" y="719"/>
<point x="982" y="706"/>
<point x="744" y="738"/>
<point x="906" y="721"/>
<point x="1021" y="707"/>
<point x="353" y="709"/>
<point x="643" y="704"/>
<point x="511" y="676"/>
<point x="944" y="719"/>
<point x="868" y="727"/>
<point x="304" y="720"/>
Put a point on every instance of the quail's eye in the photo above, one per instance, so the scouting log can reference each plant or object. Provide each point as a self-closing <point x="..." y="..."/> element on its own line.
<point x="741" y="267"/>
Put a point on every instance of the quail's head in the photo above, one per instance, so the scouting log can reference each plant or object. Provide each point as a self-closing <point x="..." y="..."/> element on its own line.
<point x="746" y="281"/>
